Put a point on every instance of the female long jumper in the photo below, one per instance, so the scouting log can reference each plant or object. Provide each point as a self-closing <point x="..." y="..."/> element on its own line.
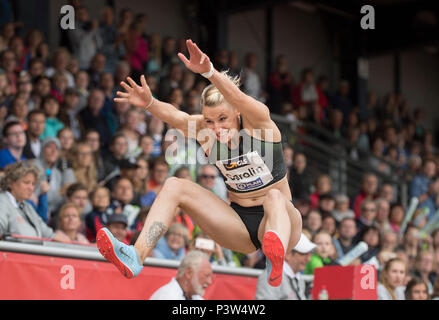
<point x="238" y="136"/>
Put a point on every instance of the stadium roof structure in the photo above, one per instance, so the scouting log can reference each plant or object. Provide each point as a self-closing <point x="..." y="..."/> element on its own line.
<point x="400" y="24"/>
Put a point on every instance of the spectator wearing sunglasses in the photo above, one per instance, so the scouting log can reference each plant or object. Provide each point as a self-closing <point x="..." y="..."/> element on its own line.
<point x="207" y="178"/>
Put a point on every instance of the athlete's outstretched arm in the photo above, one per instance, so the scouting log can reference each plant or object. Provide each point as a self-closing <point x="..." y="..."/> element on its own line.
<point x="256" y="112"/>
<point x="141" y="97"/>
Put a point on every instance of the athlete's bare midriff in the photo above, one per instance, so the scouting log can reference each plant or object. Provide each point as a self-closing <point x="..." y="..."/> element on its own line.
<point x="256" y="198"/>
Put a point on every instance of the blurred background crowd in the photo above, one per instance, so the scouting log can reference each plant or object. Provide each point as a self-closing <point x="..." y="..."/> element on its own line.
<point x="99" y="163"/>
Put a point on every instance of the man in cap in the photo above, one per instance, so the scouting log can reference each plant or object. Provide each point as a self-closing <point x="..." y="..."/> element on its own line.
<point x="117" y="224"/>
<point x="293" y="285"/>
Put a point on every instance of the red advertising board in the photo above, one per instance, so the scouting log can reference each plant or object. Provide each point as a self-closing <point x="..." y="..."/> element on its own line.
<point x="350" y="282"/>
<point x="26" y="276"/>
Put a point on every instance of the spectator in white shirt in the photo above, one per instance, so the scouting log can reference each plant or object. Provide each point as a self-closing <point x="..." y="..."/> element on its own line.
<point x="193" y="277"/>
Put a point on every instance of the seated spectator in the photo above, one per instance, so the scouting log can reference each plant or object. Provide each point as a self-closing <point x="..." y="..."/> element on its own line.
<point x="341" y="209"/>
<point x="300" y="179"/>
<point x="424" y="269"/>
<point x="159" y="169"/>
<point x="368" y="191"/>
<point x="418" y="187"/>
<point x="116" y="153"/>
<point x="396" y="216"/>
<point x="122" y="198"/>
<point x="97" y="67"/>
<point x="410" y="245"/>
<point x="14" y="139"/>
<point x="382" y="215"/>
<point x="82" y="81"/>
<point x="91" y="138"/>
<point x="18" y="112"/>
<point x="36" y="125"/>
<point x="207" y="177"/>
<point x="155" y="130"/>
<point x="173" y="245"/>
<point x="170" y="81"/>
<point x="50" y="106"/>
<point x="58" y="180"/>
<point x="346" y="237"/>
<point x="194" y="275"/>
<point x="36" y="68"/>
<point x="416" y="289"/>
<point x="293" y="286"/>
<point x="371" y="236"/>
<point x="117" y="224"/>
<point x="9" y="65"/>
<point x="127" y="169"/>
<point x="78" y="194"/>
<point x="67" y="141"/>
<point x="69" y="222"/>
<point x="414" y="164"/>
<point x="326" y="204"/>
<point x="60" y="60"/>
<point x="367" y="215"/>
<point x="391" y="284"/>
<point x="335" y="126"/>
<point x="98" y="217"/>
<point x="329" y="225"/>
<point x="431" y="202"/>
<point x="129" y="129"/>
<point x="192" y="102"/>
<point x="69" y="111"/>
<point x="386" y="192"/>
<point x="375" y="159"/>
<point x="146" y="144"/>
<point x="83" y="165"/>
<point x="141" y="177"/>
<point x="41" y="90"/>
<point x="59" y="86"/>
<point x="324" y="252"/>
<point x="389" y="240"/>
<point x="17" y="215"/>
<point x="313" y="221"/>
<point x="323" y="185"/>
<point x="94" y="116"/>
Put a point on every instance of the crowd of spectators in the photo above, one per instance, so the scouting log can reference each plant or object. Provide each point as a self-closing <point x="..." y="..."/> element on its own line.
<point x="96" y="163"/>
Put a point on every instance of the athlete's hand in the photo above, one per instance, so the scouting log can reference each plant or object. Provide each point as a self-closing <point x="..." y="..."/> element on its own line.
<point x="198" y="61"/>
<point x="139" y="96"/>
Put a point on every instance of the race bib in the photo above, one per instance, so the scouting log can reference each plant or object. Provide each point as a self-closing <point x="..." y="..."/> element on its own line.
<point x="245" y="173"/>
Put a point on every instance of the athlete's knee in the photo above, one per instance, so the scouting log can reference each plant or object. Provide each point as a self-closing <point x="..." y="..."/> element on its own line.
<point x="173" y="185"/>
